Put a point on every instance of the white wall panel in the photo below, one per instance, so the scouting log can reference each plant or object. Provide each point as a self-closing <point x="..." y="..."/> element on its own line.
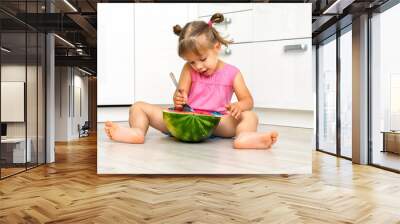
<point x="115" y="53"/>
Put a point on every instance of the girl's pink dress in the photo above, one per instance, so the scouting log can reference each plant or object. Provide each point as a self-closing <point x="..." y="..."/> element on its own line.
<point x="212" y="93"/>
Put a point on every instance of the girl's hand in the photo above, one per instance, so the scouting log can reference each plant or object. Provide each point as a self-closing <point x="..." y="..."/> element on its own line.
<point x="234" y="110"/>
<point x="179" y="99"/>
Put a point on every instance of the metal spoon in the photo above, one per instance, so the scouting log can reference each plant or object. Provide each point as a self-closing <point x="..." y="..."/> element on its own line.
<point x="186" y="107"/>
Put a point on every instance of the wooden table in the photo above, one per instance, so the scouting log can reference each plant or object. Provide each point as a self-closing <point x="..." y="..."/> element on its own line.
<point x="391" y="141"/>
<point x="15" y="148"/>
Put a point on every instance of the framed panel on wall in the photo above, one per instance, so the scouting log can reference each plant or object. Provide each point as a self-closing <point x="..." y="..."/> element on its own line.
<point x="12" y="101"/>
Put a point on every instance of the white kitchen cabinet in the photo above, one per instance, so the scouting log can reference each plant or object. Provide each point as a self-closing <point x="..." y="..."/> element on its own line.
<point x="282" y="79"/>
<point x="237" y="26"/>
<point x="156" y="50"/>
<point x="115" y="58"/>
<point x="276" y="78"/>
<point x="208" y="9"/>
<point x="281" y="21"/>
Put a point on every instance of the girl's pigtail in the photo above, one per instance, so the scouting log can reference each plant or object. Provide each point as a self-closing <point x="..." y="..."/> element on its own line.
<point x="177" y="30"/>
<point x="219" y="18"/>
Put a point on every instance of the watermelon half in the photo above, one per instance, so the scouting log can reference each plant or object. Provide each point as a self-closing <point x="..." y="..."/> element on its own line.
<point x="190" y="126"/>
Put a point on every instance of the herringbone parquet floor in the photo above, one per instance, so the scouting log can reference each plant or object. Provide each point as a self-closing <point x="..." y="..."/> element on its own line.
<point x="70" y="191"/>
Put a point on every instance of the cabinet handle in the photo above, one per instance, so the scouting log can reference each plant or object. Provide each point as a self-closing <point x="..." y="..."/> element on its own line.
<point x="295" y="47"/>
<point x="228" y="20"/>
<point x="228" y="51"/>
<point x="225" y="22"/>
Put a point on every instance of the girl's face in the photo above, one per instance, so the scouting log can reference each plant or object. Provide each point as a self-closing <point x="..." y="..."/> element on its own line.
<point x="207" y="62"/>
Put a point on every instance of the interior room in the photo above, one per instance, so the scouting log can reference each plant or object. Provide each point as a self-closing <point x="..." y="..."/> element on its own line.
<point x="68" y="66"/>
<point x="22" y="100"/>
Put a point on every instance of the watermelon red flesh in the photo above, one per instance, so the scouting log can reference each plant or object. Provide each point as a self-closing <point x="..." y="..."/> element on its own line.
<point x="190" y="127"/>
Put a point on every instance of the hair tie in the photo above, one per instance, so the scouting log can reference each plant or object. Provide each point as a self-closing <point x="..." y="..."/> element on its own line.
<point x="210" y="23"/>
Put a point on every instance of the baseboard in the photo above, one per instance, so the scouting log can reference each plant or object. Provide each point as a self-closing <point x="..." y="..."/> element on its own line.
<point x="279" y="117"/>
<point x="112" y="114"/>
<point x="284" y="117"/>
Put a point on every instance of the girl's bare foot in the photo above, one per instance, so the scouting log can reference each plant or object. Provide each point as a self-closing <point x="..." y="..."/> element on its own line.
<point x="254" y="140"/>
<point x="124" y="134"/>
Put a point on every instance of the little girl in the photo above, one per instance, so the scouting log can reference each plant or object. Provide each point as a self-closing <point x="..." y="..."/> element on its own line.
<point x="206" y="83"/>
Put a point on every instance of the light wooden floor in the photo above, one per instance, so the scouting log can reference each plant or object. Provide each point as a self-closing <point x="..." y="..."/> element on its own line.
<point x="70" y="191"/>
<point x="162" y="154"/>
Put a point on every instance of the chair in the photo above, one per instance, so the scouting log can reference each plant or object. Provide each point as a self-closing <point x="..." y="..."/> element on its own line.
<point x="84" y="130"/>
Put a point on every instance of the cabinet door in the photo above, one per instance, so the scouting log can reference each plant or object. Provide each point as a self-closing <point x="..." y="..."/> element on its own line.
<point x="282" y="78"/>
<point x="115" y="53"/>
<point x="156" y="52"/>
<point x="281" y="21"/>
<point x="237" y="26"/>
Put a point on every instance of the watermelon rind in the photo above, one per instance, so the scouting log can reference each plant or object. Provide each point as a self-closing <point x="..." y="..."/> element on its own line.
<point x="190" y="127"/>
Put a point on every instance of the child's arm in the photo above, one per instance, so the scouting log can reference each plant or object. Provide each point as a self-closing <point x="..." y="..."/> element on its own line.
<point x="185" y="81"/>
<point x="245" y="100"/>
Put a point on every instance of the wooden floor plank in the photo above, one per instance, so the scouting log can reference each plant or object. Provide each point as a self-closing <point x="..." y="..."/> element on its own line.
<point x="70" y="191"/>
